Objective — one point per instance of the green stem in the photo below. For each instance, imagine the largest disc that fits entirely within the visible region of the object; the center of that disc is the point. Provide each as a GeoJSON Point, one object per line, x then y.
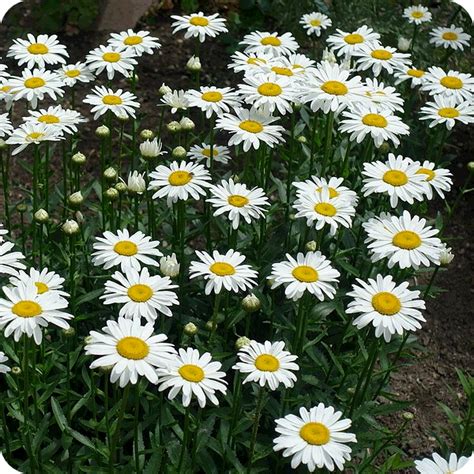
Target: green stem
{"type": "Point", "coordinates": [185, 439]}
{"type": "Point", "coordinates": [312, 145]}
{"type": "Point", "coordinates": [328, 143]}
{"type": "Point", "coordinates": [116, 434]}
{"type": "Point", "coordinates": [430, 284]}
{"type": "Point", "coordinates": [5, 173]}
{"type": "Point", "coordinates": [289, 177]}
{"type": "Point", "coordinates": [258, 413]}
{"type": "Point", "coordinates": [215, 312]}
{"type": "Point", "coordinates": [135, 428]}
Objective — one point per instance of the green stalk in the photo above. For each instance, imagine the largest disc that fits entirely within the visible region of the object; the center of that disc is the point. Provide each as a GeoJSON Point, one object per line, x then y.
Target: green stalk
{"type": "Point", "coordinates": [313, 144]}
{"type": "Point", "coordinates": [113, 445]}
{"type": "Point", "coordinates": [328, 143]}
{"type": "Point", "coordinates": [258, 414]}
{"type": "Point", "coordinates": [289, 177]}
{"type": "Point", "coordinates": [215, 312]}
{"type": "Point", "coordinates": [185, 439]}
{"type": "Point", "coordinates": [5, 431]}
{"type": "Point", "coordinates": [5, 172]}
{"type": "Point", "coordinates": [26, 416]}
{"type": "Point", "coordinates": [36, 160]}
{"type": "Point", "coordinates": [135, 428]}
{"type": "Point", "coordinates": [46, 177]}
{"type": "Point", "coordinates": [136, 200]}
{"type": "Point", "coordinates": [430, 284]}
{"type": "Point", "coordinates": [102, 179]}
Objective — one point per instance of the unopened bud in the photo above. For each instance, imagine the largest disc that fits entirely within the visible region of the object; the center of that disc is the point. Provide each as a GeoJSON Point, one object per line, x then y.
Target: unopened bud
{"type": "Point", "coordinates": [384, 147]}
{"type": "Point", "coordinates": [21, 207]}
{"type": "Point", "coordinates": [69, 332]}
{"type": "Point", "coordinates": [311, 246]}
{"type": "Point", "coordinates": [406, 415]}
{"type": "Point", "coordinates": [251, 303]}
{"type": "Point", "coordinates": [164, 89]}
{"type": "Point", "coordinates": [121, 187]}
{"type": "Point", "coordinates": [112, 194]}
{"type": "Point", "coordinates": [110, 174]}
{"type": "Point", "coordinates": [103, 131]}
{"type": "Point", "coordinates": [179, 153]}
{"type": "Point", "coordinates": [16, 370]}
{"type": "Point", "coordinates": [41, 216]}
{"type": "Point", "coordinates": [147, 134]}
{"type": "Point", "coordinates": [88, 340]}
{"type": "Point", "coordinates": [470, 167]}
{"type": "Point", "coordinates": [446, 256]}
{"type": "Point", "coordinates": [190, 329]}
{"type": "Point", "coordinates": [187, 124]}
{"type": "Point", "coordinates": [169, 265]}
{"type": "Point", "coordinates": [302, 139]}
{"type": "Point", "coordinates": [79, 159]}
{"type": "Point", "coordinates": [194, 64]}
{"type": "Point", "coordinates": [173, 127]}
{"type": "Point", "coordinates": [210, 325]}
{"type": "Point", "coordinates": [70, 227]}
{"type": "Point", "coordinates": [76, 199]}
{"type": "Point", "coordinates": [241, 342]}
{"type": "Point", "coordinates": [404, 44]}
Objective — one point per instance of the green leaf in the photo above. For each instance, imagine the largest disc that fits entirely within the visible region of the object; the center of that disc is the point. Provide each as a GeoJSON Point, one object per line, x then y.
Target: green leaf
{"type": "Point", "coordinates": [59, 414]}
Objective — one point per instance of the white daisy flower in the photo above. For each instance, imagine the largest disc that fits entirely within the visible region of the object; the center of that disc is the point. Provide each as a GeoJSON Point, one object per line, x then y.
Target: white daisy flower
{"type": "Point", "coordinates": [452, 37]}
{"type": "Point", "coordinates": [111, 60]}
{"type": "Point", "coordinates": [2, 233]}
{"type": "Point", "coordinates": [447, 110]}
{"type": "Point", "coordinates": [6, 128]}
{"type": "Point", "coordinates": [294, 67]}
{"type": "Point", "coordinates": [454, 84]}
{"type": "Point", "coordinates": [44, 280]}
{"type": "Point", "coordinates": [223, 271]}
{"type": "Point", "coordinates": [247, 62]}
{"type": "Point", "coordinates": [203, 152]}
{"type": "Point", "coordinates": [4, 72]}
{"type": "Point", "coordinates": [348, 44]}
{"type": "Point", "coordinates": [10, 261]}
{"type": "Point", "coordinates": [213, 100]}
{"type": "Point", "coordinates": [315, 22]}
{"type": "Point", "coordinates": [3, 368]}
{"type": "Point", "coordinates": [417, 14]}
{"type": "Point", "coordinates": [437, 179]}
{"type": "Point", "coordinates": [152, 148]}
{"type": "Point", "coordinates": [410, 73]}
{"type": "Point", "coordinates": [389, 307]}
{"type": "Point", "coordinates": [65, 120]}
{"type": "Point", "coordinates": [311, 272]}
{"type": "Point", "coordinates": [379, 58]}
{"type": "Point", "coordinates": [440, 466]}
{"type": "Point", "coordinates": [137, 42]}
{"type": "Point", "coordinates": [384, 97]}
{"type": "Point", "coordinates": [194, 375]}
{"type": "Point", "coordinates": [177, 100]}
{"type": "Point", "coordinates": [270, 43]}
{"type": "Point", "coordinates": [406, 241]}
{"type": "Point", "coordinates": [25, 311]}
{"type": "Point", "coordinates": [71, 74]}
{"type": "Point", "coordinates": [332, 184]}
{"type": "Point", "coordinates": [131, 349]}
{"type": "Point", "coordinates": [31, 132]}
{"type": "Point", "coordinates": [315, 438]}
{"type": "Point", "coordinates": [125, 249]}
{"type": "Point", "coordinates": [141, 295]}
{"type": "Point", "coordinates": [6, 94]}
{"type": "Point", "coordinates": [198, 25]}
{"type": "Point", "coordinates": [251, 127]}
{"type": "Point", "coordinates": [40, 51]}
{"type": "Point", "coordinates": [103, 99]}
{"type": "Point", "coordinates": [238, 201]}
{"type": "Point", "coordinates": [179, 181]}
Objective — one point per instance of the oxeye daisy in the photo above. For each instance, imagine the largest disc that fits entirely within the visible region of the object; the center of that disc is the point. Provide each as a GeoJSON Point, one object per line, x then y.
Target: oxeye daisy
{"type": "Point", "coordinates": [250, 61]}
{"type": "Point", "coordinates": [311, 272]}
{"type": "Point", "coordinates": [44, 280]}
{"type": "Point", "coordinates": [179, 181]}
{"type": "Point", "coordinates": [347, 44]}
{"type": "Point", "coordinates": [140, 294]}
{"type": "Point", "coordinates": [437, 179]}
{"type": "Point", "coordinates": [315, 438]}
{"type": "Point", "coordinates": [398, 177]}
{"type": "Point", "coordinates": [131, 349]}
{"type": "Point", "coordinates": [223, 271]}
{"type": "Point", "coordinates": [294, 67]}
{"type": "Point", "coordinates": [270, 43]}
{"type": "Point", "coordinates": [103, 99]}
{"type": "Point", "coordinates": [389, 307]}
{"type": "Point", "coordinates": [3, 368]}
{"type": "Point", "coordinates": [6, 128]}
{"type": "Point", "coordinates": [417, 14]}
{"type": "Point", "coordinates": [213, 100]}
{"type": "Point", "coordinates": [267, 364]}
{"type": "Point", "coordinates": [177, 100]}
{"type": "Point", "coordinates": [454, 84]}
{"type": "Point", "coordinates": [111, 60]}
{"type": "Point", "coordinates": [332, 184]}
{"type": "Point", "coordinates": [137, 42]}
{"type": "Point", "coordinates": [447, 111]}
{"type": "Point", "coordinates": [238, 201]}
{"type": "Point", "coordinates": [439, 465]}
{"type": "Point", "coordinates": [251, 127]}
{"type": "Point", "coordinates": [378, 58]}
{"type": "Point", "coordinates": [65, 120]}
{"type": "Point", "coordinates": [410, 73]}
{"type": "Point", "coordinates": [315, 22]}
{"type": "Point", "coordinates": [33, 132]}
{"type": "Point", "coordinates": [193, 374]}
{"type": "Point", "coordinates": [125, 249]}
{"type": "Point", "coordinates": [198, 25]}
{"type": "Point", "coordinates": [39, 51]}
{"type": "Point", "coordinates": [452, 37]}
{"type": "Point", "coordinates": [406, 241]}
{"type": "Point", "coordinates": [384, 97]}
{"type": "Point", "coordinates": [71, 74]}
{"type": "Point", "coordinates": [203, 152]}
{"type": "Point", "coordinates": [10, 261]}
{"type": "Point", "coordinates": [6, 94]}
{"type": "Point", "coordinates": [320, 209]}
{"type": "Point", "coordinates": [25, 311]}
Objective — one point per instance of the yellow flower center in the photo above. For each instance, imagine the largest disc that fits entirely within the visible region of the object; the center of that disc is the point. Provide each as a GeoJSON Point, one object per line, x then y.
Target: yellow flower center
{"type": "Point", "coordinates": [450, 36]}
{"type": "Point", "coordinates": [254, 61]}
{"type": "Point", "coordinates": [354, 38]}
{"type": "Point", "coordinates": [207, 152]}
{"type": "Point", "coordinates": [133, 348]}
{"type": "Point", "coordinates": [35, 135]}
{"type": "Point", "coordinates": [334, 88]}
{"type": "Point", "coordinates": [325, 209]}
{"type": "Point", "coordinates": [448, 112]}
{"type": "Point", "coordinates": [111, 100]}
{"type": "Point", "coordinates": [374, 120]}
{"type": "Point", "coordinates": [199, 21]}
{"type": "Point", "coordinates": [381, 54]}
{"type": "Point", "coordinates": [72, 73]}
{"type": "Point", "coordinates": [315, 433]}
{"type": "Point", "coordinates": [126, 248]}
{"type": "Point", "coordinates": [38, 48]}
{"type": "Point", "coordinates": [270, 41]}
{"type": "Point", "coordinates": [305, 274]}
{"type": "Point", "coordinates": [395, 178]}
{"type": "Point", "coordinates": [42, 287]}
{"type": "Point", "coordinates": [315, 22]}
{"type": "Point", "coordinates": [430, 174]}
{"type": "Point", "coordinates": [451, 82]}
{"type": "Point", "coordinates": [332, 192]}
{"type": "Point", "coordinates": [386, 303]}
{"type": "Point", "coordinates": [111, 57]}
{"type": "Point", "coordinates": [213, 96]}
{"type": "Point", "coordinates": [282, 71]}
{"type": "Point", "coordinates": [191, 373]}
{"type": "Point", "coordinates": [34, 82]}
{"type": "Point", "coordinates": [222, 269]}
{"type": "Point", "coordinates": [406, 239]}
{"type": "Point", "coordinates": [27, 309]}
{"type": "Point", "coordinates": [5, 89]}
{"type": "Point", "coordinates": [267, 363]}
{"type": "Point", "coordinates": [48, 119]}
{"type": "Point", "coordinates": [179, 178]}
{"type": "Point", "coordinates": [140, 293]}
{"type": "Point", "coordinates": [415, 72]}
{"type": "Point", "coordinates": [251, 126]}
{"type": "Point", "coordinates": [237, 201]}
{"type": "Point", "coordinates": [417, 14]}
{"type": "Point", "coordinates": [269, 89]}
{"type": "Point", "coordinates": [133, 40]}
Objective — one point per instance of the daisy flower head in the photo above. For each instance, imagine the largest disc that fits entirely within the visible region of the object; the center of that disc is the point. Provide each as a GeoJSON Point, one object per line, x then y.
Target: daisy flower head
{"type": "Point", "coordinates": [141, 295]}
{"type": "Point", "coordinates": [405, 241]}
{"type": "Point", "coordinates": [40, 51]}
{"type": "Point", "coordinates": [179, 181]}
{"type": "Point", "coordinates": [44, 280]}
{"type": "Point", "coordinates": [348, 44]}
{"type": "Point", "coordinates": [203, 152]}
{"type": "Point", "coordinates": [213, 100]}
{"type": "Point", "coordinates": [103, 99]}
{"type": "Point", "coordinates": [314, 23]}
{"type": "Point", "coordinates": [111, 60]}
{"type": "Point", "coordinates": [125, 249]}
{"type": "Point", "coordinates": [295, 67]}
{"type": "Point", "coordinates": [267, 364]}
{"type": "Point", "coordinates": [137, 42]}
{"type": "Point", "coordinates": [384, 97]}
{"type": "Point", "coordinates": [410, 73]}
{"type": "Point", "coordinates": [152, 148]}
{"type": "Point", "coordinates": [315, 438]}
{"type": "Point", "coordinates": [236, 200]}
{"type": "Point", "coordinates": [25, 311]}
{"type": "Point", "coordinates": [177, 100]}
{"type": "Point", "coordinates": [379, 58]}
{"type": "Point", "coordinates": [131, 349]}
{"type": "Point", "coordinates": [4, 72]}
{"type": "Point", "coordinates": [417, 14]}
{"type": "Point", "coordinates": [311, 272]}
{"type": "Point", "coordinates": [64, 120]}
{"type": "Point", "coordinates": [6, 94]}
{"type": "Point", "coordinates": [398, 177]}
{"type": "Point", "coordinates": [251, 127]}
{"type": "Point", "coordinates": [3, 368]}
{"type": "Point", "coordinates": [2, 233]}
{"type": "Point", "coordinates": [247, 62]}
{"type": "Point", "coordinates": [220, 271]}
{"type": "Point", "coordinates": [6, 127]}
{"type": "Point", "coordinates": [71, 74]}
{"type": "Point", "coordinates": [389, 307]}
{"type": "Point", "coordinates": [10, 261]}
{"type": "Point", "coordinates": [33, 132]}
{"type": "Point", "coordinates": [447, 110]}
{"type": "Point", "coordinates": [332, 184]}
{"type": "Point", "coordinates": [454, 84]}
{"type": "Point", "coordinates": [381, 125]}
{"type": "Point", "coordinates": [439, 465]}
{"type": "Point", "coordinates": [270, 43]}
{"type": "Point", "coordinates": [198, 25]}
{"type": "Point", "coordinates": [437, 179]}
{"type": "Point", "coordinates": [194, 375]}
{"type": "Point", "coordinates": [452, 37]}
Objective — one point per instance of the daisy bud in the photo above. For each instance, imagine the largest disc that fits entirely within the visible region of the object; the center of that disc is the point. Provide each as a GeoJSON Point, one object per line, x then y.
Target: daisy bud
{"type": "Point", "coordinates": [122, 117]}
{"type": "Point", "coordinates": [302, 139]}
{"type": "Point", "coordinates": [164, 89]}
{"type": "Point", "coordinates": [292, 217]}
{"type": "Point", "coordinates": [151, 149]}
{"type": "Point", "coordinates": [194, 64]}
{"type": "Point", "coordinates": [41, 216]}
{"type": "Point", "coordinates": [106, 369]}
{"type": "Point", "coordinates": [69, 332]}
{"type": "Point", "coordinates": [242, 342]}
{"type": "Point", "coordinates": [236, 178]}
{"type": "Point", "coordinates": [311, 246]}
{"type": "Point", "coordinates": [147, 134]}
{"type": "Point", "coordinates": [16, 370]}
{"type": "Point", "coordinates": [70, 227]}
{"type": "Point", "coordinates": [121, 187]}
{"type": "Point", "coordinates": [351, 390]}
{"type": "Point", "coordinates": [21, 208]}
{"type": "Point", "coordinates": [211, 326]}
{"type": "Point", "coordinates": [103, 131]}
{"type": "Point", "coordinates": [384, 147]}
{"type": "Point", "coordinates": [112, 194]}
{"type": "Point", "coordinates": [297, 106]}
{"type": "Point", "coordinates": [406, 415]}
{"type": "Point", "coordinates": [136, 182]}
{"type": "Point", "coordinates": [470, 166]}
{"type": "Point", "coordinates": [88, 340]}
{"type": "Point", "coordinates": [169, 266]}
{"type": "Point", "coordinates": [110, 174]}
{"type": "Point", "coordinates": [329, 56]}
{"type": "Point", "coordinates": [187, 124]}
{"type": "Point", "coordinates": [446, 256]}
{"type": "Point", "coordinates": [404, 44]}
{"type": "Point", "coordinates": [79, 217]}
{"type": "Point", "coordinates": [179, 153]}
{"type": "Point", "coordinates": [78, 159]}
{"type": "Point", "coordinates": [251, 303]}
{"type": "Point", "coordinates": [173, 127]}
{"type": "Point", "coordinates": [76, 199]}
{"type": "Point", "coordinates": [190, 329]}
{"type": "Point", "coordinates": [3, 144]}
